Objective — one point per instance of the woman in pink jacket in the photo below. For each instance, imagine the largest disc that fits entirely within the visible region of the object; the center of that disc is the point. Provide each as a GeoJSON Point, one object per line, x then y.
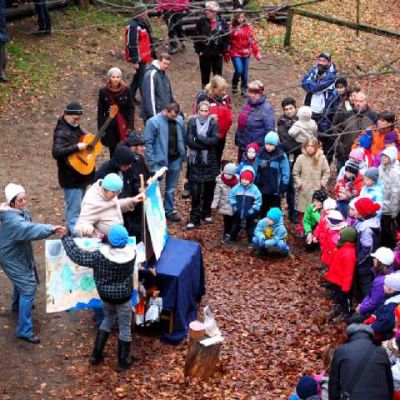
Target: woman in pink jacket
{"type": "Point", "coordinates": [242, 43]}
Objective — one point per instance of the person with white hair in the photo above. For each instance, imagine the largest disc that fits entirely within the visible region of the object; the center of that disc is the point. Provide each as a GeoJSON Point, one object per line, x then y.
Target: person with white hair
{"type": "Point", "coordinates": [16, 255]}
{"type": "Point", "coordinates": [116, 92]}
{"type": "Point", "coordinates": [211, 42]}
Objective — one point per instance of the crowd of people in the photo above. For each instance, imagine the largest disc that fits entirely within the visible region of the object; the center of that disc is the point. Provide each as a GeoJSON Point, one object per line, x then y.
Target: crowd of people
{"type": "Point", "coordinates": [350, 213]}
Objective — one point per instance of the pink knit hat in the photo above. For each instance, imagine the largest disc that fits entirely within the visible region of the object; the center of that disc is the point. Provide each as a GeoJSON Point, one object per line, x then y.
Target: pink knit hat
{"type": "Point", "coordinates": [357, 155]}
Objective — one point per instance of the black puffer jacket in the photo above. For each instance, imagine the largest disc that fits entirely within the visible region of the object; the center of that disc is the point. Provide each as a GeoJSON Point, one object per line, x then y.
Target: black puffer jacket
{"type": "Point", "coordinates": [124, 101]}
{"type": "Point", "coordinates": [65, 142]}
{"type": "Point", "coordinates": [375, 382]}
{"type": "Point", "coordinates": [289, 145]}
{"type": "Point", "coordinates": [213, 42]}
{"type": "Point", "coordinates": [198, 171]}
{"type": "Point", "coordinates": [113, 279]}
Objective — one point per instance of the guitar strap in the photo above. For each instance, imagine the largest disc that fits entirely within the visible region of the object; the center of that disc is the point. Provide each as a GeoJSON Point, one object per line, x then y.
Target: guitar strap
{"type": "Point", "coordinates": [121, 122]}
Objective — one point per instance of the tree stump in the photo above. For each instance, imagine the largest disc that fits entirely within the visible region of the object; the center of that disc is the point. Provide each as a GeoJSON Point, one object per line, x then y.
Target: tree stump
{"type": "Point", "coordinates": [201, 361]}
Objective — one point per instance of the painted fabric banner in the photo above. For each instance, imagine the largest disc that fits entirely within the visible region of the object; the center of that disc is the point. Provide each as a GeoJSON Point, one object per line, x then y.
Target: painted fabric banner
{"type": "Point", "coordinates": [70, 286]}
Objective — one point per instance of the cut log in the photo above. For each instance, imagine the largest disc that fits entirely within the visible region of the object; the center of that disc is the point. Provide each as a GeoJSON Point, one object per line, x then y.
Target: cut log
{"type": "Point", "coordinates": [201, 361]}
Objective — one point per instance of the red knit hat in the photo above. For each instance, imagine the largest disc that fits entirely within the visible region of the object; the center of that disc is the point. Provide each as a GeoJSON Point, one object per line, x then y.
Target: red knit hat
{"type": "Point", "coordinates": [366, 207]}
{"type": "Point", "coordinates": [248, 175]}
{"type": "Point", "coordinates": [254, 146]}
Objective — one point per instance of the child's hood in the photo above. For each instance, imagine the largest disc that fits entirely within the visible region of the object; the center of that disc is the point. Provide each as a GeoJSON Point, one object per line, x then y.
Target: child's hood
{"type": "Point", "coordinates": [250, 169]}
{"type": "Point", "coordinates": [304, 114]}
{"type": "Point", "coordinates": [118, 255]}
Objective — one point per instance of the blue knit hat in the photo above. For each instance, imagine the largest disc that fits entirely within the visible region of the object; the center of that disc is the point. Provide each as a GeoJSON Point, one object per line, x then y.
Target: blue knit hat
{"type": "Point", "coordinates": [365, 141]}
{"type": "Point", "coordinates": [117, 236]}
{"type": "Point", "coordinates": [306, 387]}
{"type": "Point", "coordinates": [372, 173]}
{"type": "Point", "coordinates": [275, 214]}
{"type": "Point", "coordinates": [271, 138]}
{"type": "Point", "coordinates": [112, 182]}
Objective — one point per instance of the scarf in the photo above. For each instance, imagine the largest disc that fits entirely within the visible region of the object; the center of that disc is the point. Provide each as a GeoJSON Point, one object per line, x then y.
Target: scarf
{"type": "Point", "coordinates": [230, 182]}
{"type": "Point", "coordinates": [242, 121]}
{"type": "Point", "coordinates": [118, 89]}
{"type": "Point", "coordinates": [121, 121]}
{"type": "Point", "coordinates": [202, 126]}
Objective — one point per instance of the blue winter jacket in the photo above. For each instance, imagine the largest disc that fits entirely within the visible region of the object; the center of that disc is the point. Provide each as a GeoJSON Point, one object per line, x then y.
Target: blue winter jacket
{"type": "Point", "coordinates": [245, 200]}
{"type": "Point", "coordinates": [16, 253]}
{"type": "Point", "coordinates": [260, 120]}
{"type": "Point", "coordinates": [272, 171]}
{"type": "Point", "coordinates": [3, 25]}
{"type": "Point", "coordinates": [156, 137]}
{"type": "Point", "coordinates": [384, 313]}
{"type": "Point", "coordinates": [278, 234]}
{"type": "Point", "coordinates": [375, 193]}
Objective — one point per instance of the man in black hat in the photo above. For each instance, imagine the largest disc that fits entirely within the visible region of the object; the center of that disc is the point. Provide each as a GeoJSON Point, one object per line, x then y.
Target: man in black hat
{"type": "Point", "coordinates": [66, 141]}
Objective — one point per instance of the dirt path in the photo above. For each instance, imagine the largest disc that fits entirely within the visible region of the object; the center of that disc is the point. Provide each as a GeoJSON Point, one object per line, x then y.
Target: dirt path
{"type": "Point", "coordinates": [271, 312]}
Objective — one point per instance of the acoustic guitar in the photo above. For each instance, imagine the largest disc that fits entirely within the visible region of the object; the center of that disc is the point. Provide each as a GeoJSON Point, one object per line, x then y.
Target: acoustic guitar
{"type": "Point", "coordinates": [84, 161]}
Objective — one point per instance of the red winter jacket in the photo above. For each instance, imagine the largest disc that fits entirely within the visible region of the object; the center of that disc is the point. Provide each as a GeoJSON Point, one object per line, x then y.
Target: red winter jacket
{"type": "Point", "coordinates": [139, 42]}
{"type": "Point", "coordinates": [242, 42]}
{"type": "Point", "coordinates": [342, 266]}
{"type": "Point", "coordinates": [352, 189]}
{"type": "Point", "coordinates": [321, 230]}
{"type": "Point", "coordinates": [329, 245]}
{"type": "Point", "coordinates": [172, 5]}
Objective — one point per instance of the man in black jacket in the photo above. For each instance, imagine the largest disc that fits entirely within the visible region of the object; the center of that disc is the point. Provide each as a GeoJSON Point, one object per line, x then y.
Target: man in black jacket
{"type": "Point", "coordinates": [375, 381]}
{"type": "Point", "coordinates": [211, 42]}
{"type": "Point", "coordinates": [66, 141]}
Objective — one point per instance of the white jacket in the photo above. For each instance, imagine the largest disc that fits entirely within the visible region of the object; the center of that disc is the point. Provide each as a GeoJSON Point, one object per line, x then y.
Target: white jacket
{"type": "Point", "coordinates": [389, 176]}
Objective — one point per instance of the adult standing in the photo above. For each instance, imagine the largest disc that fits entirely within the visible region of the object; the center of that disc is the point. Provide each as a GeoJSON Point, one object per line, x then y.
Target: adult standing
{"type": "Point", "coordinates": [216, 94]}
{"type": "Point", "coordinates": [255, 120]}
{"type": "Point", "coordinates": [203, 165]}
{"type": "Point", "coordinates": [44, 20]}
{"type": "Point", "coordinates": [165, 147]}
{"type": "Point", "coordinates": [351, 125]}
{"type": "Point", "coordinates": [156, 88]}
{"type": "Point", "coordinates": [173, 13]}
{"type": "Point", "coordinates": [116, 92]}
{"type": "Point", "coordinates": [16, 255]}
{"type": "Point", "coordinates": [211, 42]}
{"type": "Point", "coordinates": [242, 43]}
{"type": "Point", "coordinates": [360, 358]}
{"type": "Point", "coordinates": [139, 45]}
{"type": "Point", "coordinates": [66, 141]}
{"type": "Point", "coordinates": [3, 40]}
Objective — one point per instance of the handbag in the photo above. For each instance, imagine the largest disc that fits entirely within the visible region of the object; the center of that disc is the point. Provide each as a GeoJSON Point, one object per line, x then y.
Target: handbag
{"type": "Point", "coordinates": [346, 394]}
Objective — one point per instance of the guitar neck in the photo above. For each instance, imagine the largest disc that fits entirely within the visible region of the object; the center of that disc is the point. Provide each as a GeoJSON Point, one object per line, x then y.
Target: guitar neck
{"type": "Point", "coordinates": [101, 132]}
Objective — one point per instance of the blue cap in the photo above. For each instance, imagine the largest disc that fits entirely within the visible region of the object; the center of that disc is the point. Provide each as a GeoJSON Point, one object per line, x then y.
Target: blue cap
{"type": "Point", "coordinates": [117, 236]}
{"type": "Point", "coordinates": [112, 182]}
{"type": "Point", "coordinates": [365, 141]}
{"type": "Point", "coordinates": [271, 138]}
{"type": "Point", "coordinates": [275, 214]}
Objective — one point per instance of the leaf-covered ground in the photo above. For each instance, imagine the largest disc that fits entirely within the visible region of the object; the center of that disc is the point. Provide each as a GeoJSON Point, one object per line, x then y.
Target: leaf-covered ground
{"type": "Point", "coordinates": [271, 311]}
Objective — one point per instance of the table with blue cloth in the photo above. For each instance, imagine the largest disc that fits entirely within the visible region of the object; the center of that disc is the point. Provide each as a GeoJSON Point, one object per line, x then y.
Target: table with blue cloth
{"type": "Point", "coordinates": [180, 277]}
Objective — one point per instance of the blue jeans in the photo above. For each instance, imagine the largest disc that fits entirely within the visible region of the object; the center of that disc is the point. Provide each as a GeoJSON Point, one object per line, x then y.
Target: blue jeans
{"type": "Point", "coordinates": [171, 182]}
{"type": "Point", "coordinates": [124, 314]}
{"type": "Point", "coordinates": [23, 304]}
{"type": "Point", "coordinates": [73, 199]}
{"type": "Point", "coordinates": [241, 65]}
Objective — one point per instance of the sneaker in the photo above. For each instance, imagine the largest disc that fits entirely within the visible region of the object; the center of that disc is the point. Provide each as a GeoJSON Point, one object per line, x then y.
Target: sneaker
{"type": "Point", "coordinates": [173, 217]}
{"type": "Point", "coordinates": [243, 92]}
{"type": "Point", "coordinates": [33, 339]}
{"type": "Point", "coordinates": [191, 225]}
{"type": "Point", "coordinates": [209, 220]}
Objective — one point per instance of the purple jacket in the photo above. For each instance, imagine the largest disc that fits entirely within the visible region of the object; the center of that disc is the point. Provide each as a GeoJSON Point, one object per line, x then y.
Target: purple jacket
{"type": "Point", "coordinates": [374, 297]}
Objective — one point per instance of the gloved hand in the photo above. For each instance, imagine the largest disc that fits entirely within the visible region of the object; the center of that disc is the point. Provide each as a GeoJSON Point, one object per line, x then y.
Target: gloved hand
{"type": "Point", "coordinates": [227, 56]}
{"type": "Point", "coordinates": [370, 320]}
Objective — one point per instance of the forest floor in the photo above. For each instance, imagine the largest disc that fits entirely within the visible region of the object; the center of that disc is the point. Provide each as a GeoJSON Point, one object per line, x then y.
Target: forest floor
{"type": "Point", "coordinates": [272, 312]}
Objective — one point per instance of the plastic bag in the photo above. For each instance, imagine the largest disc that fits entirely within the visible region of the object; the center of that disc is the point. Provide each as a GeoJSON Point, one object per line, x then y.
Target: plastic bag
{"type": "Point", "coordinates": [209, 323]}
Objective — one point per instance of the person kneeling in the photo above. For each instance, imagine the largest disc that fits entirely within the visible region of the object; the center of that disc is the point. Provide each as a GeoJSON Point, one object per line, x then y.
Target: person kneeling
{"type": "Point", "coordinates": [113, 267]}
{"type": "Point", "coordinates": [270, 232]}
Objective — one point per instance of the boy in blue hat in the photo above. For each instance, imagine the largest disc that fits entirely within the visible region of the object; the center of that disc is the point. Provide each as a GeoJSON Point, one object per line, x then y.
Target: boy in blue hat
{"type": "Point", "coordinates": [270, 232]}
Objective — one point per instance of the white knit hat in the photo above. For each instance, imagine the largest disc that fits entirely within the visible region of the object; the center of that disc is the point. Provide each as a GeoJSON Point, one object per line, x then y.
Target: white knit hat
{"type": "Point", "coordinates": [392, 281]}
{"type": "Point", "coordinates": [384, 255]}
{"type": "Point", "coordinates": [114, 71]}
{"type": "Point", "coordinates": [12, 190]}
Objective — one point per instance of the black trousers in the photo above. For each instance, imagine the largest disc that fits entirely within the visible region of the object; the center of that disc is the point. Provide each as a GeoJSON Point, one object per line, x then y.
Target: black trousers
{"type": "Point", "coordinates": [220, 149]}
{"type": "Point", "coordinates": [342, 299]}
{"type": "Point", "coordinates": [3, 57]}
{"type": "Point", "coordinates": [138, 79]}
{"type": "Point", "coordinates": [247, 223]}
{"type": "Point", "coordinates": [388, 231]}
{"type": "Point", "coordinates": [202, 197]}
{"type": "Point", "coordinates": [363, 284]}
{"type": "Point", "coordinates": [228, 222]}
{"type": "Point", "coordinates": [269, 201]}
{"type": "Point", "coordinates": [43, 15]}
{"type": "Point", "coordinates": [208, 64]}
{"type": "Point", "coordinates": [174, 21]}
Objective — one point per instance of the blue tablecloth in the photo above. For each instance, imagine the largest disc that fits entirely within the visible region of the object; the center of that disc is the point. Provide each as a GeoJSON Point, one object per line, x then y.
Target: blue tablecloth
{"type": "Point", "coordinates": [180, 277]}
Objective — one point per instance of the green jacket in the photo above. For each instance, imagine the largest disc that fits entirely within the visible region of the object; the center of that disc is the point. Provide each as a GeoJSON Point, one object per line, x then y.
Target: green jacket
{"type": "Point", "coordinates": [310, 219]}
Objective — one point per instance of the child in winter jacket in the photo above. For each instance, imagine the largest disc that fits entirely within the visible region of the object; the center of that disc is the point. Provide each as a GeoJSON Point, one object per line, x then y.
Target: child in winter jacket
{"type": "Point", "coordinates": [306, 389]}
{"type": "Point", "coordinates": [348, 187]}
{"type": "Point", "coordinates": [372, 187]}
{"type": "Point", "coordinates": [341, 270]}
{"type": "Point", "coordinates": [112, 270]}
{"type": "Point", "coordinates": [224, 183]}
{"type": "Point", "coordinates": [305, 128]}
{"type": "Point", "coordinates": [310, 173]}
{"type": "Point", "coordinates": [249, 157]}
{"type": "Point", "coordinates": [321, 230]}
{"type": "Point", "coordinates": [313, 215]}
{"type": "Point", "coordinates": [270, 232]}
{"type": "Point", "coordinates": [272, 172]}
{"type": "Point", "coordinates": [352, 213]}
{"type": "Point", "coordinates": [356, 155]}
{"type": "Point", "coordinates": [245, 199]}
{"type": "Point", "coordinates": [389, 176]}
{"type": "Point", "coordinates": [368, 228]}
{"type": "Point", "coordinates": [383, 259]}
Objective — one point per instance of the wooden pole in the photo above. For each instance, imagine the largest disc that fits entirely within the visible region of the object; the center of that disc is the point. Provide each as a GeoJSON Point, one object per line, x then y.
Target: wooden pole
{"type": "Point", "coordinates": [358, 16]}
{"type": "Point", "coordinates": [288, 33]}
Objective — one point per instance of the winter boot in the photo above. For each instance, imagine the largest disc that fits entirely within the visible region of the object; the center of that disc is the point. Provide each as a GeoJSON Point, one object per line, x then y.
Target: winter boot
{"type": "Point", "coordinates": [125, 360]}
{"type": "Point", "coordinates": [97, 354]}
{"type": "Point", "coordinates": [235, 83]}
